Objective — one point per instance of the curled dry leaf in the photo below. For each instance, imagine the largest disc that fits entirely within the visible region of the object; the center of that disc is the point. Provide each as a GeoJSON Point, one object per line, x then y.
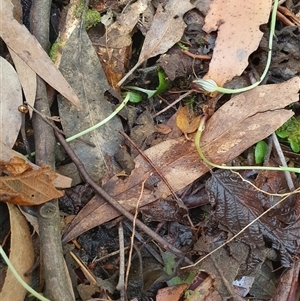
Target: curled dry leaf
{"type": "Point", "coordinates": [239, 35]}
{"type": "Point", "coordinates": [15, 166]}
{"type": "Point", "coordinates": [186, 120]}
{"type": "Point", "coordinates": [34, 187]}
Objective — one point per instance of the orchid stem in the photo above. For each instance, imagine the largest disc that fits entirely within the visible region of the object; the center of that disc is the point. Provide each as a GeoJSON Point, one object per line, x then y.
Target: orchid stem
{"type": "Point", "coordinates": [205, 160]}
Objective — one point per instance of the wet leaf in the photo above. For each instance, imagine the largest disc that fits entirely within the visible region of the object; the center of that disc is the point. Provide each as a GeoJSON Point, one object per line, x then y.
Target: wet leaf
{"type": "Point", "coordinates": [89, 81]}
{"type": "Point", "coordinates": [238, 19]}
{"type": "Point", "coordinates": [237, 203]}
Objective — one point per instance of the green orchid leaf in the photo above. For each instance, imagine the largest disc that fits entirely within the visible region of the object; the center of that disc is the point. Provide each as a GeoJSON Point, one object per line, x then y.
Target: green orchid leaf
{"type": "Point", "coordinates": [260, 151]}
{"type": "Point", "coordinates": [281, 133]}
{"type": "Point", "coordinates": [163, 85]}
{"type": "Point", "coordinates": [294, 145]}
{"type": "Point", "coordinates": [133, 96]}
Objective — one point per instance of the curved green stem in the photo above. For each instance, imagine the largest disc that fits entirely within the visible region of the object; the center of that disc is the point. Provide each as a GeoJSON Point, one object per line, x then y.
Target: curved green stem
{"type": "Point", "coordinates": [19, 279]}
{"type": "Point", "coordinates": [210, 86]}
{"type": "Point", "coordinates": [113, 114]}
{"type": "Point", "coordinates": [197, 143]}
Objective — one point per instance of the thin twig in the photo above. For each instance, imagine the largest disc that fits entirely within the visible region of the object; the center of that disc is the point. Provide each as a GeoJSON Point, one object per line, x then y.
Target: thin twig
{"type": "Point", "coordinates": [121, 284]}
{"type": "Point", "coordinates": [173, 103]}
{"type": "Point", "coordinates": [287, 174]}
{"type": "Point", "coordinates": [86, 177]}
{"type": "Point", "coordinates": [133, 234]}
{"type": "Point", "coordinates": [144, 243]}
{"type": "Point", "coordinates": [146, 158]}
{"type": "Point", "coordinates": [197, 56]}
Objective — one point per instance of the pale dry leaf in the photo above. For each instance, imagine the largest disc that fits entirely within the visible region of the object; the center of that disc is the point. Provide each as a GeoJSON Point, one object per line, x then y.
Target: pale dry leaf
{"type": "Point", "coordinates": [27, 79]}
{"type": "Point", "coordinates": [239, 35]}
{"type": "Point", "coordinates": [25, 45]}
{"type": "Point", "coordinates": [21, 256]}
{"type": "Point", "coordinates": [10, 99]}
{"type": "Point", "coordinates": [31, 188]}
{"type": "Point", "coordinates": [166, 29]}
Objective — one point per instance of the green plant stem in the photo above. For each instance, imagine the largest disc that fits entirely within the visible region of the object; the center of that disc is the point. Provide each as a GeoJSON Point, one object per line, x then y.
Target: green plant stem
{"type": "Point", "coordinates": [113, 114]}
{"type": "Point", "coordinates": [19, 279]}
{"type": "Point", "coordinates": [210, 85]}
{"type": "Point", "coordinates": [197, 143]}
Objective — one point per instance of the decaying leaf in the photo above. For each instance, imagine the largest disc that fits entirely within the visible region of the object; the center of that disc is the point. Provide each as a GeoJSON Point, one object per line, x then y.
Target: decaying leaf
{"type": "Point", "coordinates": [166, 29]}
{"type": "Point", "coordinates": [84, 72]}
{"type": "Point", "coordinates": [187, 120]}
{"type": "Point", "coordinates": [31, 188]}
{"type": "Point", "coordinates": [24, 44]}
{"type": "Point", "coordinates": [237, 125]}
{"type": "Point", "coordinates": [10, 99]}
{"type": "Point", "coordinates": [237, 204]}
{"type": "Point", "coordinates": [21, 256]}
{"type": "Point", "coordinates": [115, 46]}
{"type": "Point", "coordinates": [239, 35]}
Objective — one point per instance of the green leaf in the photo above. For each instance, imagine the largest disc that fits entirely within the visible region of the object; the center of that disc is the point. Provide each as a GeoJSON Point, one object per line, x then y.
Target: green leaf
{"type": "Point", "coordinates": [281, 133]}
{"type": "Point", "coordinates": [133, 96]}
{"type": "Point", "coordinates": [294, 145]}
{"type": "Point", "coordinates": [163, 85]}
{"type": "Point", "coordinates": [260, 151]}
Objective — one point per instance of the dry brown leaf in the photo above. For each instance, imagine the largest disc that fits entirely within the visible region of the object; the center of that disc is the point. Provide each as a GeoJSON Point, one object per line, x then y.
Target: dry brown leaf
{"type": "Point", "coordinates": [11, 98]}
{"type": "Point", "coordinates": [244, 120]}
{"type": "Point", "coordinates": [239, 35]}
{"type": "Point", "coordinates": [166, 29]}
{"type": "Point", "coordinates": [187, 121]}
{"type": "Point", "coordinates": [31, 188]}
{"type": "Point", "coordinates": [6, 154]}
{"type": "Point", "coordinates": [15, 166]}
{"type": "Point", "coordinates": [115, 45]}
{"type": "Point", "coordinates": [24, 44]}
{"type": "Point", "coordinates": [171, 293]}
{"type": "Point", "coordinates": [21, 256]}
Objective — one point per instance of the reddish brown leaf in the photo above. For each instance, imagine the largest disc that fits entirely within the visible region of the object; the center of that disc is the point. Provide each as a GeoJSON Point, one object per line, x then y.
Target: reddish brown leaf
{"type": "Point", "coordinates": [31, 188]}
{"type": "Point", "coordinates": [15, 166]}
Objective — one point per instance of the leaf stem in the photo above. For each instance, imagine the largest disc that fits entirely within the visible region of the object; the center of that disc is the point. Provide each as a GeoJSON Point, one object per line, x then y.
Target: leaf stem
{"type": "Point", "coordinates": [19, 279]}
{"type": "Point", "coordinates": [197, 143]}
{"type": "Point", "coordinates": [113, 114]}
